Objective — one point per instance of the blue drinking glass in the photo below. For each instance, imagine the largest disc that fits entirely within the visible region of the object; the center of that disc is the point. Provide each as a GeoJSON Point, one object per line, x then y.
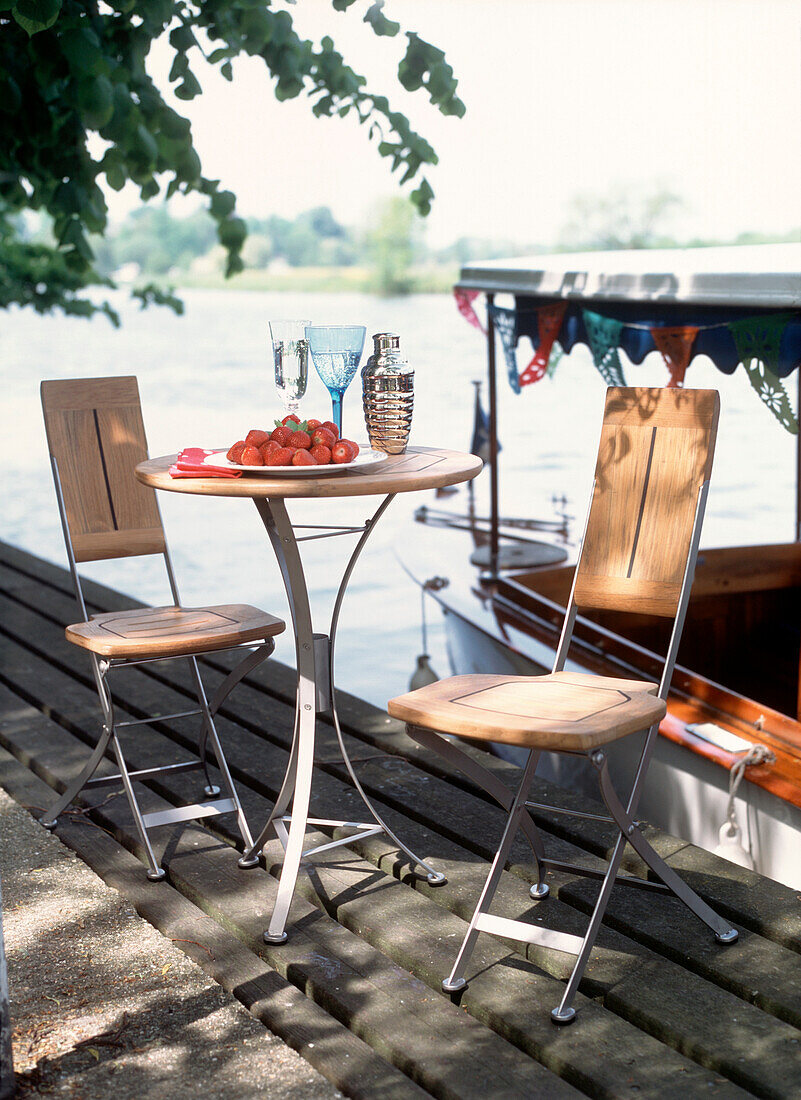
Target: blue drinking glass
{"type": "Point", "coordinates": [336, 351]}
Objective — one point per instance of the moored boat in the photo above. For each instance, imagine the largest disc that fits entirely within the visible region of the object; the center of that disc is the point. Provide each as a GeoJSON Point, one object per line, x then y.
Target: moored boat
{"type": "Point", "coordinates": [727, 770]}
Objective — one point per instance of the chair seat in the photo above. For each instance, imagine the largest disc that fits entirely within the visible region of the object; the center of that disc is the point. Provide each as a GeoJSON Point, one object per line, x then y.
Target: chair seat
{"type": "Point", "coordinates": [173, 631]}
{"type": "Point", "coordinates": [567, 711]}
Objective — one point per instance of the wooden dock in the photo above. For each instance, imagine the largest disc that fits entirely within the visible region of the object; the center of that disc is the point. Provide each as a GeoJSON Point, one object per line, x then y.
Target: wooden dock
{"type": "Point", "coordinates": [664, 1011]}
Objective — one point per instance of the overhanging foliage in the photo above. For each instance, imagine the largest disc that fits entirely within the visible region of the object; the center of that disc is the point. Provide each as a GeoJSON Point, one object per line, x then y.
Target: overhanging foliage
{"type": "Point", "coordinates": [73, 69]}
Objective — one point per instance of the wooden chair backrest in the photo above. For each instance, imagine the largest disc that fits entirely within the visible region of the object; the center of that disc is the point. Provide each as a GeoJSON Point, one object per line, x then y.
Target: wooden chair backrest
{"type": "Point", "coordinates": [96, 434]}
{"type": "Point", "coordinates": [655, 452]}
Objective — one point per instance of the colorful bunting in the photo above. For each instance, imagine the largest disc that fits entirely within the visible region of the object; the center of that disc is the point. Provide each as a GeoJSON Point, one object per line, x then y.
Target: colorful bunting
{"type": "Point", "coordinates": [549, 321]}
{"type": "Point", "coordinates": [464, 303]}
{"type": "Point", "coordinates": [757, 340]}
{"type": "Point", "coordinates": [676, 345]}
{"type": "Point", "coordinates": [505, 322]}
{"type": "Point", "coordinates": [604, 336]}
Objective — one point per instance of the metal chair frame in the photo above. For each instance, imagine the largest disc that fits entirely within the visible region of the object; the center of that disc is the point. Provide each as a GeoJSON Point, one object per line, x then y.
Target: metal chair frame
{"type": "Point", "coordinates": [621, 813]}
{"type": "Point", "coordinates": [101, 668]}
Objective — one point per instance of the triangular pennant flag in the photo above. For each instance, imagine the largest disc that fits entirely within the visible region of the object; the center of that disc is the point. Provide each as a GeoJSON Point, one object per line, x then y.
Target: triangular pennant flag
{"type": "Point", "coordinates": [464, 303]}
{"type": "Point", "coordinates": [505, 321]}
{"type": "Point", "coordinates": [676, 345]}
{"type": "Point", "coordinates": [604, 336]}
{"type": "Point", "coordinates": [549, 321]}
{"type": "Point", "coordinates": [757, 341]}
{"type": "Point", "coordinates": [556, 357]}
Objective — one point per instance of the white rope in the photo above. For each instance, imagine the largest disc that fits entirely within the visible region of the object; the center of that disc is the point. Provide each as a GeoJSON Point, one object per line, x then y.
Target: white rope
{"type": "Point", "coordinates": [730, 846]}
{"type": "Point", "coordinates": [757, 754]}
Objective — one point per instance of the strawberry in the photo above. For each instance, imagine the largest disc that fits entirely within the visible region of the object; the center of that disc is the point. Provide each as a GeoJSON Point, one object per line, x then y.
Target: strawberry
{"type": "Point", "coordinates": [322, 435]}
{"type": "Point", "coordinates": [332, 428]}
{"type": "Point", "coordinates": [353, 446]}
{"type": "Point", "coordinates": [302, 457]}
{"type": "Point", "coordinates": [251, 456]}
{"type": "Point", "coordinates": [312, 424]}
{"type": "Point", "coordinates": [292, 417]}
{"type": "Point", "coordinates": [268, 448]}
{"type": "Point", "coordinates": [235, 453]}
{"type": "Point", "coordinates": [321, 454]}
{"type": "Point", "coordinates": [256, 437]}
{"type": "Point", "coordinates": [281, 435]}
{"type": "Point", "coordinates": [281, 457]}
{"type": "Point", "coordinates": [341, 452]}
{"type": "Point", "coordinates": [300, 440]}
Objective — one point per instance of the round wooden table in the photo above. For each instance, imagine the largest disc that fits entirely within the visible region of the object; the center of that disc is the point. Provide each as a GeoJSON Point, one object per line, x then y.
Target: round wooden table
{"type": "Point", "coordinates": [418, 468]}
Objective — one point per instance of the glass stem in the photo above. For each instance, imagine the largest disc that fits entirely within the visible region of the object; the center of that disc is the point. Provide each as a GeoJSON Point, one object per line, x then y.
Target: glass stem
{"type": "Point", "coordinates": [336, 405]}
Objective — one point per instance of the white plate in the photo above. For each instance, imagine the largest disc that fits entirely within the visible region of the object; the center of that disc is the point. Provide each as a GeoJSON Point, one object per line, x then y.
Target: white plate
{"type": "Point", "coordinates": [365, 458]}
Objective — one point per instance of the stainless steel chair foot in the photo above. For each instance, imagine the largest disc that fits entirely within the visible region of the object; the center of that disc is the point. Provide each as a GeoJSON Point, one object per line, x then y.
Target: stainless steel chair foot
{"type": "Point", "coordinates": [540, 890]}
{"type": "Point", "coordinates": [211, 791]}
{"type": "Point", "coordinates": [436, 878]}
{"type": "Point", "coordinates": [453, 986]}
{"type": "Point", "coordinates": [727, 937]}
{"type": "Point", "coordinates": [157, 876]}
{"type": "Point", "coordinates": [563, 1016]}
{"type": "Point", "coordinates": [279, 938]}
{"type": "Point", "coordinates": [246, 864]}
{"type": "Point", "coordinates": [48, 824]}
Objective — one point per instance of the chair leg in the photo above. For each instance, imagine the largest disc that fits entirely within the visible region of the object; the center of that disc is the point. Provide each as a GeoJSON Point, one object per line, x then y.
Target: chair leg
{"type": "Point", "coordinates": [244, 861]}
{"type": "Point", "coordinates": [456, 980]}
{"type": "Point", "coordinates": [50, 818]}
{"type": "Point", "coordinates": [724, 932]}
{"type": "Point", "coordinates": [484, 778]}
{"type": "Point", "coordinates": [564, 1013]}
{"type": "Point", "coordinates": [246, 665]}
{"type": "Point", "coordinates": [155, 872]}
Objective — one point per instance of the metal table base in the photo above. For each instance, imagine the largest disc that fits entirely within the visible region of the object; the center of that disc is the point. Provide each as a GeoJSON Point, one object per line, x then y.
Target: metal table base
{"type": "Point", "coordinates": [315, 695]}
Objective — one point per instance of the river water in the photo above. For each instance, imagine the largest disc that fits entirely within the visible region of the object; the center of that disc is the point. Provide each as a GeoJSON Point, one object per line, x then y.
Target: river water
{"type": "Point", "coordinates": [205, 380]}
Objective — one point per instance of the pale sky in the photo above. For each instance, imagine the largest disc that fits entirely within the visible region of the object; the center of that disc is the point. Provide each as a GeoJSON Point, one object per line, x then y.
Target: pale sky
{"type": "Point", "coordinates": [563, 96]}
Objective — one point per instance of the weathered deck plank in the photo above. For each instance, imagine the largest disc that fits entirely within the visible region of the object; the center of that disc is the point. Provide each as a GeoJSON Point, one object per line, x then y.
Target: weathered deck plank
{"type": "Point", "coordinates": [664, 996]}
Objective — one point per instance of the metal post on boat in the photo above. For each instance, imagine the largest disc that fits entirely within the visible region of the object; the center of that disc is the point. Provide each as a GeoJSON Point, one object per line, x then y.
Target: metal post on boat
{"type": "Point", "coordinates": [493, 438]}
{"type": "Point", "coordinates": [798, 465]}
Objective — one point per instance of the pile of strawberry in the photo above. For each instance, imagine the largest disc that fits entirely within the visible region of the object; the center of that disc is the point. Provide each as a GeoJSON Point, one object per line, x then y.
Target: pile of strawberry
{"type": "Point", "coordinates": [293, 442]}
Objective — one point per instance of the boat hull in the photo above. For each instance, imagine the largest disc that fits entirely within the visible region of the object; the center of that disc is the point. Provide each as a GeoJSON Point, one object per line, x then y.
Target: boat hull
{"type": "Point", "coordinates": [685, 793]}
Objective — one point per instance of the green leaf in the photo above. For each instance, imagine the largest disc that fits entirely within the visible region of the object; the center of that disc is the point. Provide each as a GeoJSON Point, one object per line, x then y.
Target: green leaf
{"type": "Point", "coordinates": [95, 102]}
{"type": "Point", "coordinates": [36, 15]}
{"type": "Point", "coordinates": [189, 87]}
{"type": "Point", "coordinates": [422, 197]}
{"type": "Point", "coordinates": [182, 38]}
{"type": "Point", "coordinates": [173, 125]}
{"type": "Point", "coordinates": [232, 233]}
{"type": "Point", "coordinates": [379, 22]}
{"type": "Point", "coordinates": [10, 95]}
{"type": "Point", "coordinates": [81, 47]}
{"type": "Point", "coordinates": [222, 204]}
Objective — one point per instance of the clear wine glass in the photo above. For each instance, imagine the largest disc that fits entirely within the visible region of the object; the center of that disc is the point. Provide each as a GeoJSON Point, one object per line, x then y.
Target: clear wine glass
{"type": "Point", "coordinates": [336, 351]}
{"type": "Point", "coordinates": [291, 358]}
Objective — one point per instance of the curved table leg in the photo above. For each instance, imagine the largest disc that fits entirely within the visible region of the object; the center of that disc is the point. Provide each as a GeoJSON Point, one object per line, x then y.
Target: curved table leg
{"type": "Point", "coordinates": [297, 782]}
{"type": "Point", "coordinates": [435, 878]}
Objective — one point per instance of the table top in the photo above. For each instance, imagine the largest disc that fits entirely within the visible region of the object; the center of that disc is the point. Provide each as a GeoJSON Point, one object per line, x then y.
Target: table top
{"type": "Point", "coordinates": [417, 468]}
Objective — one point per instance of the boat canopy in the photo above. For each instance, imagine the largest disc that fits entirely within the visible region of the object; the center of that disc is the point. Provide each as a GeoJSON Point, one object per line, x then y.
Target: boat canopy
{"type": "Point", "coordinates": [703, 287]}
{"type": "Point", "coordinates": [736, 304]}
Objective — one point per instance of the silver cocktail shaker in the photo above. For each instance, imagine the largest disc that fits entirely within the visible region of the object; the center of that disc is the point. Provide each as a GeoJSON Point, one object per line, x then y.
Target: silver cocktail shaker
{"type": "Point", "coordinates": [388, 389]}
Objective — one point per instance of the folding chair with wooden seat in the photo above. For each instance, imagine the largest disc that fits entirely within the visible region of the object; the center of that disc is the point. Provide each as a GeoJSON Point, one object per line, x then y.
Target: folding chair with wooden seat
{"type": "Point", "coordinates": [96, 436]}
{"type": "Point", "coordinates": [638, 555]}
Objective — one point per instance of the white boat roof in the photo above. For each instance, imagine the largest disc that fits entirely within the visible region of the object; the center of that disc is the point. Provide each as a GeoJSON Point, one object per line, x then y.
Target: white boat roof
{"type": "Point", "coordinates": [767, 275]}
